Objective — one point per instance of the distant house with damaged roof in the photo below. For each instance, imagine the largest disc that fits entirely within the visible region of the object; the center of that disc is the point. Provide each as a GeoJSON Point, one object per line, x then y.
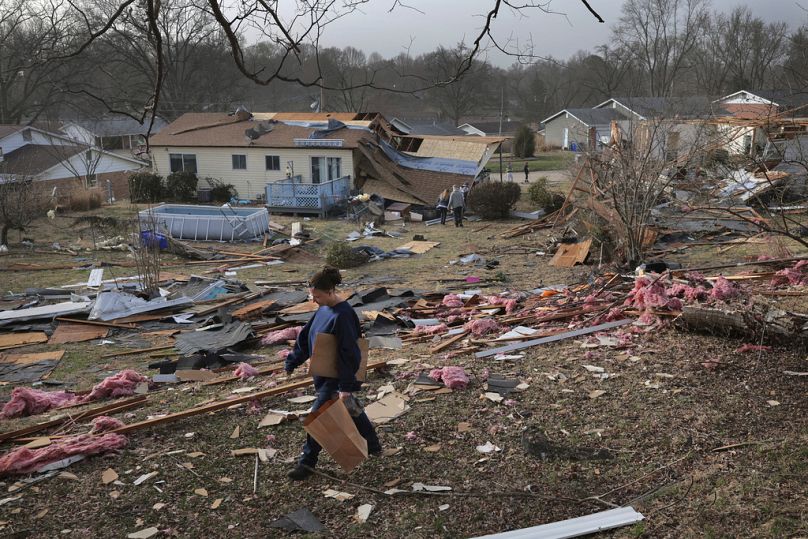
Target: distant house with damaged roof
{"type": "Point", "coordinates": [59, 161]}
{"type": "Point", "coordinates": [301, 156]}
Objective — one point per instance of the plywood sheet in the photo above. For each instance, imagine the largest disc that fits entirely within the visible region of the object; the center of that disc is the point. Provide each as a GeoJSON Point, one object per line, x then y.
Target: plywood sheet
{"type": "Point", "coordinates": [13, 340]}
{"type": "Point", "coordinates": [27, 359]}
{"type": "Point", "coordinates": [253, 309]}
{"type": "Point", "coordinates": [569, 254]}
{"type": "Point", "coordinates": [419, 247]}
{"type": "Point", "coordinates": [67, 333]}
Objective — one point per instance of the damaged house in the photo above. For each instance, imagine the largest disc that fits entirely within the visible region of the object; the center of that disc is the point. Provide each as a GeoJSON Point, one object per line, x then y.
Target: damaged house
{"type": "Point", "coordinates": [310, 162]}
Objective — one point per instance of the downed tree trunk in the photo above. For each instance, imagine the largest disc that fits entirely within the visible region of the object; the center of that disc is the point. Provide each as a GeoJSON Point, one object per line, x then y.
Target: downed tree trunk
{"type": "Point", "coordinates": [759, 321]}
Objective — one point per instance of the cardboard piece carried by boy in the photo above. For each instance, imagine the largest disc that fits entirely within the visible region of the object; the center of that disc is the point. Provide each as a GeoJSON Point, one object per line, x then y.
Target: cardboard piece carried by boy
{"type": "Point", "coordinates": [324, 357]}
{"type": "Point", "coordinates": [334, 429]}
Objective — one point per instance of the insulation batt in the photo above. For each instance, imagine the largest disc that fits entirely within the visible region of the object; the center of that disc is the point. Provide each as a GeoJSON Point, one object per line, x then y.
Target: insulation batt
{"type": "Point", "coordinates": [105, 423]}
{"type": "Point", "coordinates": [688, 293]}
{"type": "Point", "coordinates": [649, 294]}
{"type": "Point", "coordinates": [452, 300]}
{"type": "Point", "coordinates": [245, 370]}
{"type": "Point", "coordinates": [724, 290]}
{"type": "Point", "coordinates": [482, 326]}
{"type": "Point", "coordinates": [753, 348]}
{"type": "Point", "coordinates": [23, 460]}
{"type": "Point", "coordinates": [508, 303]}
{"type": "Point", "coordinates": [452, 377]}
{"type": "Point", "coordinates": [795, 275]}
{"type": "Point", "coordinates": [431, 330]}
{"type": "Point", "coordinates": [282, 335]}
{"type": "Point", "coordinates": [25, 401]}
{"type": "Point", "coordinates": [283, 353]}
{"type": "Point", "coordinates": [122, 384]}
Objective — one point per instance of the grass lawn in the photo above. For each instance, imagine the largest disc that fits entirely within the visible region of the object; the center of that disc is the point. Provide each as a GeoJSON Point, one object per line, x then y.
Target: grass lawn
{"type": "Point", "coordinates": [555, 160]}
{"type": "Point", "coordinates": [658, 415]}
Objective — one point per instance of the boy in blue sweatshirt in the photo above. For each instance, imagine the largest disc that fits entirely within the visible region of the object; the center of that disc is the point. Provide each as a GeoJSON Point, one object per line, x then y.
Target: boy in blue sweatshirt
{"type": "Point", "coordinates": [338, 318]}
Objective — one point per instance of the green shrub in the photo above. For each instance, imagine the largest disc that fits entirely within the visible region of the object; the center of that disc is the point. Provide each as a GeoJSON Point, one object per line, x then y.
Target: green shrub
{"type": "Point", "coordinates": [524, 143]}
{"type": "Point", "coordinates": [145, 187]}
{"type": "Point", "coordinates": [543, 197]}
{"type": "Point", "coordinates": [220, 191]}
{"type": "Point", "coordinates": [494, 200]}
{"type": "Point", "coordinates": [181, 186]}
{"type": "Point", "coordinates": [341, 255]}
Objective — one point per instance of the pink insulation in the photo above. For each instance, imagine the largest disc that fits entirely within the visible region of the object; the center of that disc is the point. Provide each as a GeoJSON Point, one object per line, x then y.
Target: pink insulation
{"type": "Point", "coordinates": [245, 370]}
{"type": "Point", "coordinates": [25, 401]}
{"type": "Point", "coordinates": [795, 275]}
{"type": "Point", "coordinates": [23, 460]}
{"type": "Point", "coordinates": [724, 290]}
{"type": "Point", "coordinates": [452, 377]}
{"type": "Point", "coordinates": [688, 293]}
{"type": "Point", "coordinates": [431, 330]}
{"type": "Point", "coordinates": [281, 335]}
{"type": "Point", "coordinates": [482, 326]}
{"type": "Point", "coordinates": [649, 294]}
{"type": "Point", "coordinates": [282, 354]}
{"type": "Point", "coordinates": [452, 300]}
{"type": "Point", "coordinates": [105, 424]}
{"type": "Point", "coordinates": [122, 384]}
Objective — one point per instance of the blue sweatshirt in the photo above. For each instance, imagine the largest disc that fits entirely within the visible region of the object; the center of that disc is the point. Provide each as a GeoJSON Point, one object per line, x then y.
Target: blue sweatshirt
{"type": "Point", "coordinates": [342, 322]}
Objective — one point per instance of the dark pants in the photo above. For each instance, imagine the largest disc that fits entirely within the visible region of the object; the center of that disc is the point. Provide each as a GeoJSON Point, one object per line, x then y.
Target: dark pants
{"type": "Point", "coordinates": [311, 449]}
{"type": "Point", "coordinates": [458, 216]}
{"type": "Point", "coordinates": [442, 213]}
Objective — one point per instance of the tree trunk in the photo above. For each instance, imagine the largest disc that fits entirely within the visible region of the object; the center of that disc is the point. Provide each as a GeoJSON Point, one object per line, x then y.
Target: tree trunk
{"type": "Point", "coordinates": [757, 322]}
{"type": "Point", "coordinates": [4, 235]}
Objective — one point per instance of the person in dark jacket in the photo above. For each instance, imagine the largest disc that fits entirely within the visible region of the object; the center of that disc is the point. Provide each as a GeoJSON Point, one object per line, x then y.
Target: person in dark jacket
{"type": "Point", "coordinates": [443, 205]}
{"type": "Point", "coordinates": [527, 172]}
{"type": "Point", "coordinates": [338, 318]}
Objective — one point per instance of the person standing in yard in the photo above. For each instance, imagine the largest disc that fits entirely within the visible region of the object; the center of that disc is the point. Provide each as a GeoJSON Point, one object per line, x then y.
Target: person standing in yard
{"type": "Point", "coordinates": [510, 172]}
{"type": "Point", "coordinates": [456, 203]}
{"type": "Point", "coordinates": [443, 205]}
{"type": "Point", "coordinates": [527, 170]}
{"type": "Point", "coordinates": [336, 317]}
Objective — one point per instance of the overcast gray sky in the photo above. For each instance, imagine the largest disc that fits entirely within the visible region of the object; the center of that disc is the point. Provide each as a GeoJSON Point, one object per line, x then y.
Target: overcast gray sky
{"type": "Point", "coordinates": [447, 22]}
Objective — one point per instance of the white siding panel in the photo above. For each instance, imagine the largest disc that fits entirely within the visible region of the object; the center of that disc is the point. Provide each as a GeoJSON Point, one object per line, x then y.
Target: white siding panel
{"type": "Point", "coordinates": [218, 163]}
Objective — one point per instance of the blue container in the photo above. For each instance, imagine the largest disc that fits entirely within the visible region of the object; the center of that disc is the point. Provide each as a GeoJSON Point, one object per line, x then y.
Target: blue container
{"type": "Point", "coordinates": [150, 239]}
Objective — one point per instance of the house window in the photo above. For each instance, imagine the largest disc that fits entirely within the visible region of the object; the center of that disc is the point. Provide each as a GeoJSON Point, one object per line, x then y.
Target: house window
{"type": "Point", "coordinates": [325, 169]}
{"type": "Point", "coordinates": [26, 135]}
{"type": "Point", "coordinates": [239, 162]}
{"type": "Point", "coordinates": [182, 162]}
{"type": "Point", "coordinates": [273, 162]}
{"type": "Point", "coordinates": [92, 180]}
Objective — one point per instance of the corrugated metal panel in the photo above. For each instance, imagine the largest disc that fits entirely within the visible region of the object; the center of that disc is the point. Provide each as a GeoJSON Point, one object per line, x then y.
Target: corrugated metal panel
{"type": "Point", "coordinates": [574, 527]}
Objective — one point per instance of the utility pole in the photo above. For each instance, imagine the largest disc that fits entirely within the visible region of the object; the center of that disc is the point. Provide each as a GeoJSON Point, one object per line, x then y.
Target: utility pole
{"type": "Point", "coordinates": [501, 106]}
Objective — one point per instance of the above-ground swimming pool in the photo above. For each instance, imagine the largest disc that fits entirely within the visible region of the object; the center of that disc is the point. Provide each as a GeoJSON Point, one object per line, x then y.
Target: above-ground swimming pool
{"type": "Point", "coordinates": [207, 223]}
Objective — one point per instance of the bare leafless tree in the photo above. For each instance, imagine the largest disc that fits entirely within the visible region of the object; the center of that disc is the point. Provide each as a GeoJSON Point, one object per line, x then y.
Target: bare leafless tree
{"type": "Point", "coordinates": [661, 35]}
{"type": "Point", "coordinates": [22, 201]}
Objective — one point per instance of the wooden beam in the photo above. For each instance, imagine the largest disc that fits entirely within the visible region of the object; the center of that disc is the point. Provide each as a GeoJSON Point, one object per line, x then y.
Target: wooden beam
{"type": "Point", "coordinates": [214, 406]}
{"type": "Point", "coordinates": [134, 352]}
{"type": "Point", "coordinates": [447, 343]}
{"type": "Point", "coordinates": [96, 323]}
{"type": "Point", "coordinates": [109, 408]}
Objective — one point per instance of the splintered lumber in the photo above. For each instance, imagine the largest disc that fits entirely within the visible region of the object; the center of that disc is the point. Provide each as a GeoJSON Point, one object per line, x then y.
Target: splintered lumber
{"type": "Point", "coordinates": [67, 332]}
{"type": "Point", "coordinates": [554, 338]}
{"type": "Point", "coordinates": [252, 309]}
{"type": "Point", "coordinates": [106, 409]}
{"type": "Point", "coordinates": [447, 343]}
{"type": "Point", "coordinates": [214, 406]}
{"type": "Point", "coordinates": [134, 352]}
{"type": "Point", "coordinates": [96, 323]}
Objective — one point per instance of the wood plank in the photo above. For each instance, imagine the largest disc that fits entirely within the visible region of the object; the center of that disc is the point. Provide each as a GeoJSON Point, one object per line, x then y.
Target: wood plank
{"type": "Point", "coordinates": [108, 408]}
{"type": "Point", "coordinates": [214, 406]}
{"type": "Point", "coordinates": [96, 323]}
{"type": "Point", "coordinates": [67, 332]}
{"type": "Point", "coordinates": [447, 343]}
{"type": "Point", "coordinates": [134, 352]}
{"type": "Point", "coordinates": [554, 338]}
{"type": "Point", "coordinates": [28, 359]}
{"type": "Point", "coordinates": [253, 309]}
{"type": "Point", "coordinates": [419, 247]}
{"type": "Point", "coordinates": [14, 340]}
{"type": "Point", "coordinates": [569, 254]}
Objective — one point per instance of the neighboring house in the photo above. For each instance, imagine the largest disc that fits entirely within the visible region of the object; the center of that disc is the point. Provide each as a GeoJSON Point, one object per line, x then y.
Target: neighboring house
{"type": "Point", "coordinates": [491, 128]}
{"type": "Point", "coordinates": [306, 161]}
{"type": "Point", "coordinates": [415, 127]}
{"type": "Point", "coordinates": [30, 152]}
{"type": "Point", "coordinates": [580, 129]}
{"type": "Point", "coordinates": [752, 118]}
{"type": "Point", "coordinates": [118, 133]}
